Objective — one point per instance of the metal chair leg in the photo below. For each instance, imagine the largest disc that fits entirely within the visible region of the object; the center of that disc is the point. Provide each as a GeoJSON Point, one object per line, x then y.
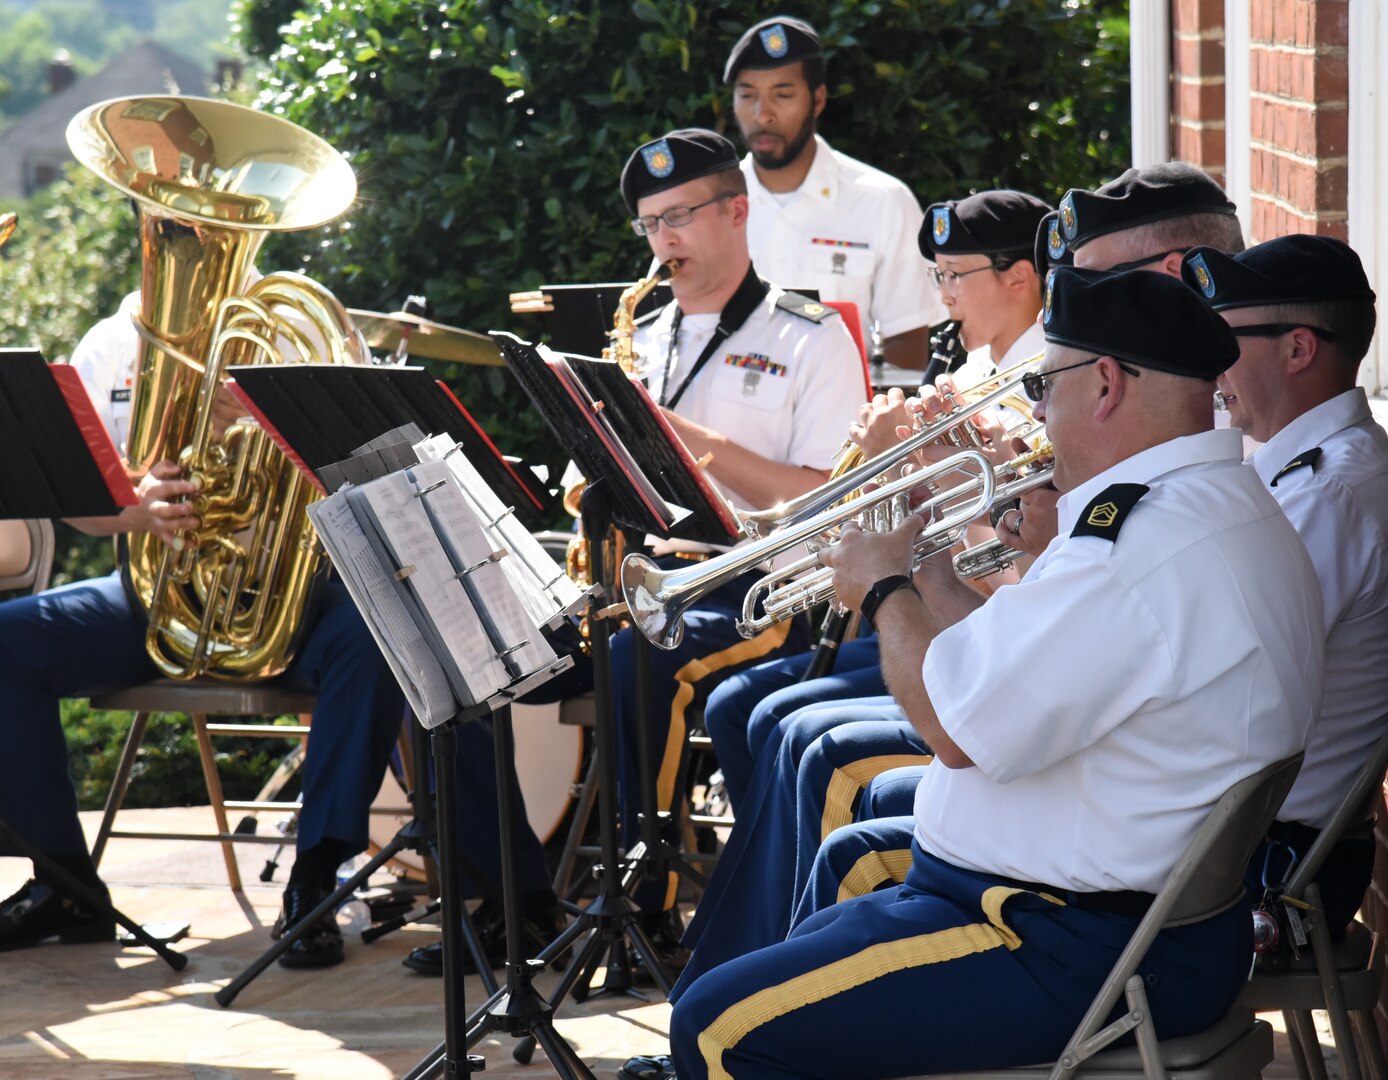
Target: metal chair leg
{"type": "Point", "coordinates": [1300, 1025]}
{"type": "Point", "coordinates": [116, 796]}
{"type": "Point", "coordinates": [1332, 990]}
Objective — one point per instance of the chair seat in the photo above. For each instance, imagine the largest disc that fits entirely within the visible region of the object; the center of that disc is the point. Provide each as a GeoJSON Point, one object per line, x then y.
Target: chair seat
{"type": "Point", "coordinates": [208, 697]}
{"type": "Point", "coordinates": [578, 711]}
{"type": "Point", "coordinates": [1237, 1046]}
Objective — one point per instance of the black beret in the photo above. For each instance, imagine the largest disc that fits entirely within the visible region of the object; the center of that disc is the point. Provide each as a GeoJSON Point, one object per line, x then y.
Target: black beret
{"type": "Point", "coordinates": [1298, 269]}
{"type": "Point", "coordinates": [1139, 197]}
{"type": "Point", "coordinates": [989, 223]}
{"type": "Point", "coordinates": [1051, 248]}
{"type": "Point", "coordinates": [675, 159]}
{"type": "Point", "coordinates": [1148, 319]}
{"type": "Point", "coordinates": [771, 43]}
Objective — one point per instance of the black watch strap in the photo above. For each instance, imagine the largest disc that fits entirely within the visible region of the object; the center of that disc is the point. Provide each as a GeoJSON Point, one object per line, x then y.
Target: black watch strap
{"type": "Point", "coordinates": [880, 591]}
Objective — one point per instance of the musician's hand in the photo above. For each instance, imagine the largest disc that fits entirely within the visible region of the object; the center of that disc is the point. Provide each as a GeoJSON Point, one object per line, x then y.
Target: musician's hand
{"type": "Point", "coordinates": [860, 559]}
{"type": "Point", "coordinates": [160, 510]}
{"type": "Point", "coordinates": [882, 423]}
{"type": "Point", "coordinates": [226, 410]}
{"type": "Point", "coordinates": [1032, 527]}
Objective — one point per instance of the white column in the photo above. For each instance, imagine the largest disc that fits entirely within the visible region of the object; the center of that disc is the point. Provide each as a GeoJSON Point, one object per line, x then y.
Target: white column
{"type": "Point", "coordinates": [1368, 156]}
{"type": "Point", "coordinates": [1150, 41]}
{"type": "Point", "coordinates": [1238, 128]}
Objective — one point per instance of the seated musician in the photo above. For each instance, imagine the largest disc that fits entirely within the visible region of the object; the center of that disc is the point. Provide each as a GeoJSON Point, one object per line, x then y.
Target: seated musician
{"type": "Point", "coordinates": [980, 247]}
{"type": "Point", "coordinates": [1303, 312]}
{"type": "Point", "coordinates": [87, 637]}
{"type": "Point", "coordinates": [765, 381]}
{"type": "Point", "coordinates": [990, 952]}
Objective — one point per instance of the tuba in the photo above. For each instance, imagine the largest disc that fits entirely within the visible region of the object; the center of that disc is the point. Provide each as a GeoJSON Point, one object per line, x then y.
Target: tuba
{"type": "Point", "coordinates": [211, 180]}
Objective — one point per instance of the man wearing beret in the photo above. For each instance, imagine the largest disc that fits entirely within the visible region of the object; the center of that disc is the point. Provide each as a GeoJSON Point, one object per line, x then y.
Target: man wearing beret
{"type": "Point", "coordinates": [785, 797]}
{"type": "Point", "coordinates": [992, 949]}
{"type": "Point", "coordinates": [818, 218]}
{"type": "Point", "coordinates": [763, 380]}
{"type": "Point", "coordinates": [1303, 312]}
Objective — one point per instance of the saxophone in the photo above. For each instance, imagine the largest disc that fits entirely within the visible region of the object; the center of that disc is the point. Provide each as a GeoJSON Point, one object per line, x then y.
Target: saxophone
{"type": "Point", "coordinates": [211, 180]}
{"type": "Point", "coordinates": [623, 351]}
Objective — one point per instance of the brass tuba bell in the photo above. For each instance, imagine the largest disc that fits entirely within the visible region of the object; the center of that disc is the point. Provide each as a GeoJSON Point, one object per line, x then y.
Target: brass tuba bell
{"type": "Point", "coordinates": [211, 181]}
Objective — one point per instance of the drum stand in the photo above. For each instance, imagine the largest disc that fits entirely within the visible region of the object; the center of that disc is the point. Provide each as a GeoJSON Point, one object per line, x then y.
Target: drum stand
{"type": "Point", "coordinates": [421, 834]}
{"type": "Point", "coordinates": [78, 890]}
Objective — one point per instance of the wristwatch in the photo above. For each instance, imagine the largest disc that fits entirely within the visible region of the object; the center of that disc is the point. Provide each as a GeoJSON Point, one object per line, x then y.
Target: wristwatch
{"type": "Point", "coordinates": [880, 591]}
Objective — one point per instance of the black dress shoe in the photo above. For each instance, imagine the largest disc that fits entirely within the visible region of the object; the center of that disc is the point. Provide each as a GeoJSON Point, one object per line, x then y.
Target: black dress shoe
{"type": "Point", "coordinates": [38, 911]}
{"type": "Point", "coordinates": [490, 925]}
{"type": "Point", "coordinates": [648, 1067]}
{"type": "Point", "coordinates": [321, 945]}
{"type": "Point", "coordinates": [664, 931]}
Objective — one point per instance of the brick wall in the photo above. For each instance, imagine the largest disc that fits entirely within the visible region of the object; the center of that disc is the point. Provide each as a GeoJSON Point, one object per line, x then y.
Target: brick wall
{"type": "Point", "coordinates": [1299, 113]}
{"type": "Point", "coordinates": [1197, 84]}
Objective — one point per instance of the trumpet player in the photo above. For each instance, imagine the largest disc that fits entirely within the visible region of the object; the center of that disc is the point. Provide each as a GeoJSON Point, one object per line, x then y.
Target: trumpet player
{"type": "Point", "coordinates": [1303, 312]}
{"type": "Point", "coordinates": [1177, 595]}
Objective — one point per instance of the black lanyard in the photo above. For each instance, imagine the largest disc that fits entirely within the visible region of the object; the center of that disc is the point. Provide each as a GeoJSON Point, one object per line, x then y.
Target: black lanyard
{"type": "Point", "coordinates": [739, 309]}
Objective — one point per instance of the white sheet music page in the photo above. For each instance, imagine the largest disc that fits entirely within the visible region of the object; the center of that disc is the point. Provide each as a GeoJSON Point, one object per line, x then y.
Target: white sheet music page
{"type": "Point", "coordinates": [543, 584]}
{"type": "Point", "coordinates": [470, 547]}
{"type": "Point", "coordinates": [399, 639]}
{"type": "Point", "coordinates": [407, 529]}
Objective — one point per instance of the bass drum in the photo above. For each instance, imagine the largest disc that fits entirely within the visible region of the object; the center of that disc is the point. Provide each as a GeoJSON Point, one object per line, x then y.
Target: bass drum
{"type": "Point", "coordinates": [549, 762]}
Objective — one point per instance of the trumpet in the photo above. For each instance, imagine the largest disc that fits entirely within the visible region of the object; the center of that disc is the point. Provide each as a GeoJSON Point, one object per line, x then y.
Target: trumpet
{"type": "Point", "coordinates": [657, 599]}
{"type": "Point", "coordinates": [807, 583]}
{"type": "Point", "coordinates": [982, 560]}
{"type": "Point", "coordinates": [998, 390]}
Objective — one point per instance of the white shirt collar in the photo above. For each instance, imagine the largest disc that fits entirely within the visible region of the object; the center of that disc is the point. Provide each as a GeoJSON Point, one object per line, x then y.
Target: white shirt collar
{"type": "Point", "coordinates": [1311, 428]}
{"type": "Point", "coordinates": [1203, 448]}
{"type": "Point", "coordinates": [821, 182]}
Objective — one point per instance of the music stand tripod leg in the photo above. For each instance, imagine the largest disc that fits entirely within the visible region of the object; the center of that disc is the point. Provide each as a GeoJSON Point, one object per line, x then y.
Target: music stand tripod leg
{"type": "Point", "coordinates": [80, 891]}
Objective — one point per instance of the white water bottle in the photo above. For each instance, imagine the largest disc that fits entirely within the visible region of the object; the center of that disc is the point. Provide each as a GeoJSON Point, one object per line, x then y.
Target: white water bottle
{"type": "Point", "coordinates": [354, 913]}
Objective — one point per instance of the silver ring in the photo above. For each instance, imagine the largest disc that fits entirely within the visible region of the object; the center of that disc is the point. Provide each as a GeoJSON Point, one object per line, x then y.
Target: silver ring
{"type": "Point", "coordinates": [1015, 527]}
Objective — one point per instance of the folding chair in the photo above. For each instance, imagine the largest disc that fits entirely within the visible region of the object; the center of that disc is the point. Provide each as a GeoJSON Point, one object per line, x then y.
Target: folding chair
{"type": "Point", "coordinates": [1206, 880]}
{"type": "Point", "coordinates": [201, 698]}
{"type": "Point", "coordinates": [33, 576]}
{"type": "Point", "coordinates": [1342, 978]}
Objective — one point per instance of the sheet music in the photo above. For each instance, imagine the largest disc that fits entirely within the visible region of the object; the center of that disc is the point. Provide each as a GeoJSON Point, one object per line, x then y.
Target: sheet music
{"type": "Point", "coordinates": [416, 669]}
{"type": "Point", "coordinates": [512, 630]}
{"type": "Point", "coordinates": [544, 587]}
{"type": "Point", "coordinates": [404, 525]}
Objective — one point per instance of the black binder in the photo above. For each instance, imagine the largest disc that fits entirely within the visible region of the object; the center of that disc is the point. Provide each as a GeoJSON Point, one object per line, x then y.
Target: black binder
{"type": "Point", "coordinates": [58, 459]}
{"type": "Point", "coordinates": [320, 413]}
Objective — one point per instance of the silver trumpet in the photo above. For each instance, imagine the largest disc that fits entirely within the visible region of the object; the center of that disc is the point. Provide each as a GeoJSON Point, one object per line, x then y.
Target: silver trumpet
{"type": "Point", "coordinates": [657, 599]}
{"type": "Point", "coordinates": [996, 391]}
{"type": "Point", "coordinates": [985, 559]}
{"type": "Point", "coordinates": [806, 583]}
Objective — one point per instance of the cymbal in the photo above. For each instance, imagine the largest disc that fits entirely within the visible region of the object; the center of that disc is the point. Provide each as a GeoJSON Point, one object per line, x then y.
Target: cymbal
{"type": "Point", "coordinates": [428, 339]}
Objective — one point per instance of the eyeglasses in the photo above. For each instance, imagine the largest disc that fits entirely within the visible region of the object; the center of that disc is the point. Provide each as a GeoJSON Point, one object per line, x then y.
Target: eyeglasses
{"type": "Point", "coordinates": [1276, 330]}
{"type": "Point", "coordinates": [1138, 264]}
{"type": "Point", "coordinates": [1037, 383]}
{"type": "Point", "coordinates": [948, 280]}
{"type": "Point", "coordinates": [677, 217]}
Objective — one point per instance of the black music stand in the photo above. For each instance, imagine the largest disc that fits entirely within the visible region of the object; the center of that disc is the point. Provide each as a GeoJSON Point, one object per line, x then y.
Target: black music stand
{"type": "Point", "coordinates": [608, 423]}
{"type": "Point", "coordinates": [60, 462]}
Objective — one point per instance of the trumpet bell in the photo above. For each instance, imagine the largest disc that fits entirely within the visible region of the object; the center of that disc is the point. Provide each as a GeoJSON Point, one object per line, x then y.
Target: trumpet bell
{"type": "Point", "coordinates": [656, 613]}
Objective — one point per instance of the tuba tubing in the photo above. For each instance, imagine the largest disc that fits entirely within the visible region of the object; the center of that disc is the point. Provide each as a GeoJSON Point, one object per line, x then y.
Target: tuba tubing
{"type": "Point", "coordinates": [657, 599]}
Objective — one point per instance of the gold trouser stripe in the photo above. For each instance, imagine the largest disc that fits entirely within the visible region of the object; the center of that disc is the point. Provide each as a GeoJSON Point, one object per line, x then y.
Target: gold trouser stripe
{"type": "Point", "coordinates": [770, 639]}
{"type": "Point", "coordinates": [871, 870]}
{"type": "Point", "coordinates": [738, 1020]}
{"type": "Point", "coordinates": [848, 780]}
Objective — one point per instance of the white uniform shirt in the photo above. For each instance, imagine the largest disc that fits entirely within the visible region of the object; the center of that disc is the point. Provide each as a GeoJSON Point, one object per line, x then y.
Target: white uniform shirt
{"type": "Point", "coordinates": [1142, 677]}
{"type": "Point", "coordinates": [980, 364]}
{"type": "Point", "coordinates": [849, 231]}
{"type": "Point", "coordinates": [782, 386]}
{"type": "Point", "coordinates": [105, 361]}
{"type": "Point", "coordinates": [1339, 507]}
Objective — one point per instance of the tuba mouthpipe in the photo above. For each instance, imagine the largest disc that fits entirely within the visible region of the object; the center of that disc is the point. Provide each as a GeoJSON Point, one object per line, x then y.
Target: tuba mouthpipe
{"type": "Point", "coordinates": [659, 598]}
